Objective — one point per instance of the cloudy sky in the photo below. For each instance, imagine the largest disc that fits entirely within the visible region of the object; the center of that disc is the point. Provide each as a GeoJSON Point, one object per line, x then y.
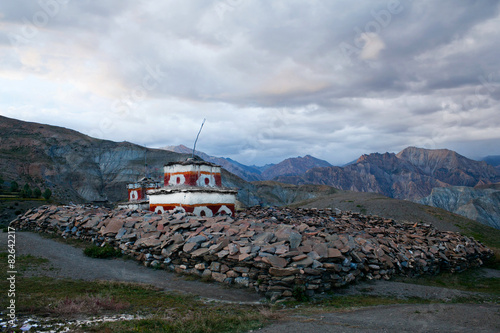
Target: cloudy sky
{"type": "Point", "coordinates": [274, 79]}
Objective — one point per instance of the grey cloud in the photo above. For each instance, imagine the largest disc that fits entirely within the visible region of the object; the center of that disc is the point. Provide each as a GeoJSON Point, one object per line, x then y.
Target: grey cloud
{"type": "Point", "coordinates": [272, 75]}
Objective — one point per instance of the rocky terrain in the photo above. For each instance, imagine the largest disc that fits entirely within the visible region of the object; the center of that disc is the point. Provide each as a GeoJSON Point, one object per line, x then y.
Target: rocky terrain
{"type": "Point", "coordinates": [75, 166]}
{"type": "Point", "coordinates": [411, 174]}
{"type": "Point", "coordinates": [277, 252]}
{"type": "Point", "coordinates": [481, 203]}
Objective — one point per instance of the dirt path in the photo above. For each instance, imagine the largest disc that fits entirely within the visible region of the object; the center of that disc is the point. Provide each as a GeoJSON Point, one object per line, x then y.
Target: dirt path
{"type": "Point", "coordinates": [70, 262]}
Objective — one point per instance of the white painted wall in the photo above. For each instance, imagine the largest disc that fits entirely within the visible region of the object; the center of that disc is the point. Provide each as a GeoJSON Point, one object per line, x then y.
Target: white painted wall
{"type": "Point", "coordinates": [192, 198]}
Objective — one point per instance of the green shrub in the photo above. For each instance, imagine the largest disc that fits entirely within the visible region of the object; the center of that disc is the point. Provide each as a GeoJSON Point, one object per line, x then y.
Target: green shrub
{"type": "Point", "coordinates": [14, 186]}
{"type": "Point", "coordinates": [47, 194]}
{"type": "Point", "coordinates": [102, 252]}
{"type": "Point", "coordinates": [299, 293]}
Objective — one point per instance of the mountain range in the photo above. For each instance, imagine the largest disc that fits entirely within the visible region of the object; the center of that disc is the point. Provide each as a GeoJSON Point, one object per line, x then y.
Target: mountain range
{"type": "Point", "coordinates": [410, 174]}
{"type": "Point", "coordinates": [289, 167]}
{"type": "Point", "coordinates": [80, 168]}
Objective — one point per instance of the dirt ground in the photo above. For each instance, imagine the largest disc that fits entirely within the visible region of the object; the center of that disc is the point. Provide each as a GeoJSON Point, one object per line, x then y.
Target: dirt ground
{"type": "Point", "coordinates": [398, 318]}
{"type": "Point", "coordinates": [69, 262]}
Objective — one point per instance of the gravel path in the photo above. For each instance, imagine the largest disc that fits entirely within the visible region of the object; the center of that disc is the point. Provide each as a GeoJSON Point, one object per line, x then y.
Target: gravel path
{"type": "Point", "coordinates": [70, 262]}
{"type": "Point", "coordinates": [403, 290]}
{"type": "Point", "coordinates": [399, 318]}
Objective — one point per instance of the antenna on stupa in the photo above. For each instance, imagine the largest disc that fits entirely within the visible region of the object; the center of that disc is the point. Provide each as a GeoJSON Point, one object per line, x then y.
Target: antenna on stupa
{"type": "Point", "coordinates": [194, 147]}
{"type": "Point", "coordinates": [145, 164]}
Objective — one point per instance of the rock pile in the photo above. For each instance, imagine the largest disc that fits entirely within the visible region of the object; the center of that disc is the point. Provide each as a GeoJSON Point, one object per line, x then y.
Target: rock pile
{"type": "Point", "coordinates": [278, 252]}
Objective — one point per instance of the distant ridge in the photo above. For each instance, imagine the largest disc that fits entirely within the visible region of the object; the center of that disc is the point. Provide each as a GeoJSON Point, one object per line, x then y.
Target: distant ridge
{"type": "Point", "coordinates": [289, 167]}
{"type": "Point", "coordinates": [294, 166]}
{"type": "Point", "coordinates": [493, 160]}
{"type": "Point", "coordinates": [411, 174]}
{"type": "Point", "coordinates": [247, 173]}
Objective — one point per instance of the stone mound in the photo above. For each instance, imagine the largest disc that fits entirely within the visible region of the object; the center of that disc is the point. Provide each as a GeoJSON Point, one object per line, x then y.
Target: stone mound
{"type": "Point", "coordinates": [278, 252]}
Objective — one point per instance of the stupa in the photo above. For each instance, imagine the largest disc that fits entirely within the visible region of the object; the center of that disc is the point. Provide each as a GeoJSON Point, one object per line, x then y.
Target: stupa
{"type": "Point", "coordinates": [193, 186]}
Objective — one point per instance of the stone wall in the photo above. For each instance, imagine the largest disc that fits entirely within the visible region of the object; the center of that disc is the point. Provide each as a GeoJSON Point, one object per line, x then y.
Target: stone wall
{"type": "Point", "coordinates": [277, 252]}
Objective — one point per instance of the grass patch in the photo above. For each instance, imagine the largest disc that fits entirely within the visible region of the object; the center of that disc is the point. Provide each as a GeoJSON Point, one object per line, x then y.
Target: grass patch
{"type": "Point", "coordinates": [69, 240]}
{"type": "Point", "coordinates": [487, 235]}
{"type": "Point", "coordinates": [87, 304]}
{"type": "Point", "coordinates": [341, 302]}
{"type": "Point", "coordinates": [102, 252]}
{"type": "Point", "coordinates": [469, 280]}
{"type": "Point", "coordinates": [23, 262]}
{"type": "Point", "coordinates": [337, 302]}
{"type": "Point", "coordinates": [222, 319]}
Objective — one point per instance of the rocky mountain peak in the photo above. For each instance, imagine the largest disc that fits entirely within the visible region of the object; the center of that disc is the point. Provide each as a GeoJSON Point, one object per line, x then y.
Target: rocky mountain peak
{"type": "Point", "coordinates": [294, 166]}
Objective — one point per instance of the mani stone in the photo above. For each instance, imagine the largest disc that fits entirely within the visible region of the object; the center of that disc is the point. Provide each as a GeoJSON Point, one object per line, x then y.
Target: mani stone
{"type": "Point", "coordinates": [295, 239]}
{"type": "Point", "coordinates": [283, 271]}
{"type": "Point", "coordinates": [275, 261]}
{"type": "Point", "coordinates": [113, 226]}
{"type": "Point", "coordinates": [197, 239]}
{"type": "Point", "coordinates": [199, 252]}
{"type": "Point", "coordinates": [283, 232]}
{"type": "Point", "coordinates": [189, 247]}
{"type": "Point", "coordinates": [334, 253]}
{"type": "Point", "coordinates": [263, 238]}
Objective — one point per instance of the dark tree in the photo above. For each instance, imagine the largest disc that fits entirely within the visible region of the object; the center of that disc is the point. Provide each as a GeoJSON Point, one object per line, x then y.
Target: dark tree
{"type": "Point", "coordinates": [47, 194]}
{"type": "Point", "coordinates": [26, 191]}
{"type": "Point", "coordinates": [14, 186]}
{"type": "Point", "coordinates": [37, 193]}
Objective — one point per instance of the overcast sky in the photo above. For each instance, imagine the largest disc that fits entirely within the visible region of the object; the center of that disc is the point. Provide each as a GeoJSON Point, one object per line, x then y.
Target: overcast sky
{"type": "Point", "coordinates": [274, 79]}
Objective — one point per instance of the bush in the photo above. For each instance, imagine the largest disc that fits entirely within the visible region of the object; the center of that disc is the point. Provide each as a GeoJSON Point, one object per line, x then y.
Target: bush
{"type": "Point", "coordinates": [102, 252]}
{"type": "Point", "coordinates": [14, 186]}
{"type": "Point", "coordinates": [26, 192]}
{"type": "Point", "coordinates": [299, 293]}
{"type": "Point", "coordinates": [37, 193]}
{"type": "Point", "coordinates": [47, 194]}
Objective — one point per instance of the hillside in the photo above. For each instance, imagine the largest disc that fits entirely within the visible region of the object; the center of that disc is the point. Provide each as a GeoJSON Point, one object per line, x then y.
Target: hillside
{"type": "Point", "coordinates": [411, 174]}
{"type": "Point", "coordinates": [75, 166]}
{"type": "Point", "coordinates": [481, 203]}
